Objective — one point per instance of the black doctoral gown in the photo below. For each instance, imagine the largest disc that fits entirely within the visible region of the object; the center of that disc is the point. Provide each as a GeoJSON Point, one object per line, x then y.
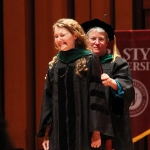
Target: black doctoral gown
{"type": "Point", "coordinates": [74, 106]}
{"type": "Point", "coordinates": [119, 107]}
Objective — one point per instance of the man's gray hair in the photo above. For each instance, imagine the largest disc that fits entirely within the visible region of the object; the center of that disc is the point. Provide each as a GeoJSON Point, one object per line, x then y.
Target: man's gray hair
{"type": "Point", "coordinates": [98, 29]}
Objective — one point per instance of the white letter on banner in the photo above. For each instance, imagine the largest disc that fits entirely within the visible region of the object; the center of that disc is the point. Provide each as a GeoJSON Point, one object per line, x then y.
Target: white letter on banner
{"type": "Point", "coordinates": [145, 53]}
{"type": "Point", "coordinates": [125, 51]}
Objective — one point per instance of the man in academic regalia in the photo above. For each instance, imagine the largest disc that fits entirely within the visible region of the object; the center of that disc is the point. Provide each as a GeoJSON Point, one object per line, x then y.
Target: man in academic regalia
{"type": "Point", "coordinates": [117, 80]}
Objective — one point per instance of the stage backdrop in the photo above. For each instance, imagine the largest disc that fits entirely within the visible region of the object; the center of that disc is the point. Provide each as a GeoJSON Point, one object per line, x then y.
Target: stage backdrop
{"type": "Point", "coordinates": [134, 46]}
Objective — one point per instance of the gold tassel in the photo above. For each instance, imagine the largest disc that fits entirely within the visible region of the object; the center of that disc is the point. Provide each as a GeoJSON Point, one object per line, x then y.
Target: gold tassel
{"type": "Point", "coordinates": [116, 52]}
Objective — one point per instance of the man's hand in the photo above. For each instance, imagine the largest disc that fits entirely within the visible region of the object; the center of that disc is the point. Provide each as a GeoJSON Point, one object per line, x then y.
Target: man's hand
{"type": "Point", "coordinates": [107, 81]}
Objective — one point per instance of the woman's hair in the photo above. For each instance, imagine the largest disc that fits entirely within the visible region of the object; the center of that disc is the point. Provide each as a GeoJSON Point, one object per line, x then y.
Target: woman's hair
{"type": "Point", "coordinates": [80, 65]}
{"type": "Point", "coordinates": [98, 29]}
{"type": "Point", "coordinates": [81, 42]}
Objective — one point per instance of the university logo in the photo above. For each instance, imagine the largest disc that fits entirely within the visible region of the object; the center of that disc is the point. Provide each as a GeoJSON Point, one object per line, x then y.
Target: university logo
{"type": "Point", "coordinates": [141, 99]}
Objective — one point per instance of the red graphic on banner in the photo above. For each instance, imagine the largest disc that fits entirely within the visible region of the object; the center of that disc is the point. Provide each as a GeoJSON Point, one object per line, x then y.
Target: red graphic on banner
{"type": "Point", "coordinates": [134, 46]}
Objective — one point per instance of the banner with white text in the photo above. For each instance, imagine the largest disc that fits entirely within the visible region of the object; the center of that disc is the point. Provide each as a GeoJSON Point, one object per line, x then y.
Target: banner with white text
{"type": "Point", "coordinates": [134, 46]}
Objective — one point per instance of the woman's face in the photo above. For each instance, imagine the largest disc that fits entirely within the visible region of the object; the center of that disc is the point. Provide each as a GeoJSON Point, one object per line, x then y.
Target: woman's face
{"type": "Point", "coordinates": [98, 42]}
{"type": "Point", "coordinates": [64, 39]}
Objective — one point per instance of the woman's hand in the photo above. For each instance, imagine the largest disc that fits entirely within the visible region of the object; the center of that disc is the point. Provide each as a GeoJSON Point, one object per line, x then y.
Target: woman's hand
{"type": "Point", "coordinates": [96, 139]}
{"type": "Point", "coordinates": [45, 143]}
{"type": "Point", "coordinates": [107, 81]}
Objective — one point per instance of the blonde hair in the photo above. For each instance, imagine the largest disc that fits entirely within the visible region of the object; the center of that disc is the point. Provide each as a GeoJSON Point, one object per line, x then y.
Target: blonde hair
{"type": "Point", "coordinates": [81, 42]}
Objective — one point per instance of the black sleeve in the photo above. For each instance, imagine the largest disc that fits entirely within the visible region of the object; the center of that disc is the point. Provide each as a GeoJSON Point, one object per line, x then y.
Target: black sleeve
{"type": "Point", "coordinates": [122, 73]}
{"type": "Point", "coordinates": [46, 110]}
{"type": "Point", "coordinates": [99, 116]}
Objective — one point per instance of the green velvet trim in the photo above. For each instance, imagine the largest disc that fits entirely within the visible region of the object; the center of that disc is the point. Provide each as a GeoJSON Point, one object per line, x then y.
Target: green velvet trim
{"type": "Point", "coordinates": [105, 58]}
{"type": "Point", "coordinates": [72, 55]}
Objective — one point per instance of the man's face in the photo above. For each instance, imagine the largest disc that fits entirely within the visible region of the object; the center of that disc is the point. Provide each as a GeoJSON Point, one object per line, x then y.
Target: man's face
{"type": "Point", "coordinates": [98, 42]}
